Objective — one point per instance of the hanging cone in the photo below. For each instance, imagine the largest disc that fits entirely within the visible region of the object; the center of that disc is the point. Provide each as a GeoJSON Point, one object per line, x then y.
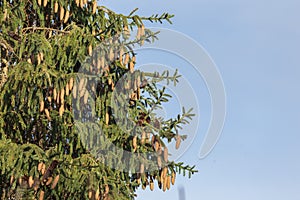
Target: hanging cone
{"type": "Point", "coordinates": [94, 7]}
{"type": "Point", "coordinates": [42, 193]}
{"type": "Point", "coordinates": [55, 181]}
{"type": "Point", "coordinates": [55, 7]}
{"type": "Point", "coordinates": [45, 3]}
{"type": "Point", "coordinates": [67, 14]}
{"type": "Point", "coordinates": [61, 13]}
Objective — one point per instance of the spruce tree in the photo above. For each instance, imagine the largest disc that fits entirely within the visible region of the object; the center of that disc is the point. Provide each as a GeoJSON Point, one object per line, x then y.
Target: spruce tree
{"type": "Point", "coordinates": [76, 117]}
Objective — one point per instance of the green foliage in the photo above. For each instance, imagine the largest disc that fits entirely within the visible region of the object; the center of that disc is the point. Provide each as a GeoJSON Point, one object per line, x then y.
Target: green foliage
{"type": "Point", "coordinates": [61, 62]}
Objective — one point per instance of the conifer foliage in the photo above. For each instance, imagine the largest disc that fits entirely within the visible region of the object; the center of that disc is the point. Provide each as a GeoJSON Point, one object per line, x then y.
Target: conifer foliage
{"type": "Point", "coordinates": [62, 132]}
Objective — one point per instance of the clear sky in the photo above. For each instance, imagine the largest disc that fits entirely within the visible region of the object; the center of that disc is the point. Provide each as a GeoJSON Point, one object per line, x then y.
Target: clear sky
{"type": "Point", "coordinates": [256, 46]}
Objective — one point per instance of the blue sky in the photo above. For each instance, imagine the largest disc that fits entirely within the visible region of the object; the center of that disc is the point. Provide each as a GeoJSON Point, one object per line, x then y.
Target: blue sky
{"type": "Point", "coordinates": [256, 46]}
